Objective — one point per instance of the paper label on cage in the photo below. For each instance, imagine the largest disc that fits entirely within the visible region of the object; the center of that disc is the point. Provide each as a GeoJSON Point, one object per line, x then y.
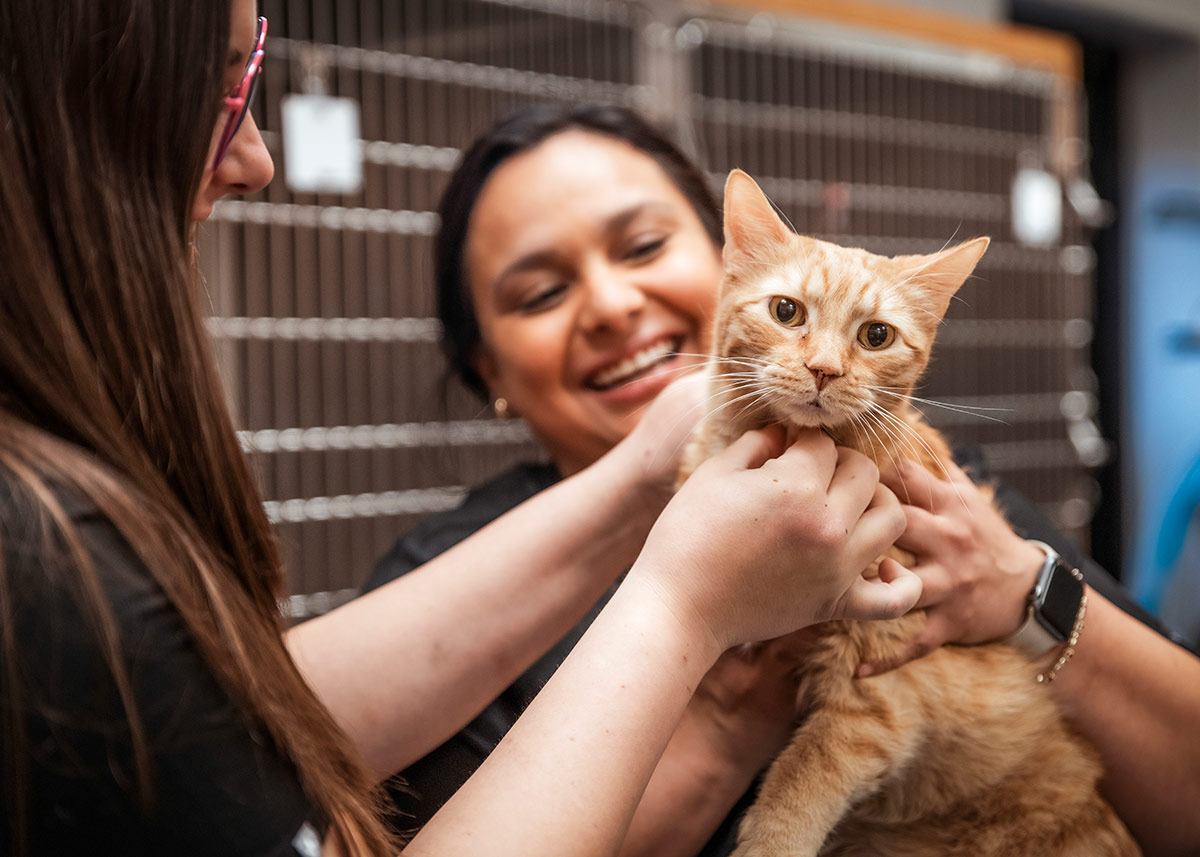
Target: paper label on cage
{"type": "Point", "coordinates": [1036, 207]}
{"type": "Point", "coordinates": [322, 147]}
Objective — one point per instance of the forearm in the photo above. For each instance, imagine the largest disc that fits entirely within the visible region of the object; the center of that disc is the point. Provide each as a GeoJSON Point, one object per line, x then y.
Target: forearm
{"type": "Point", "coordinates": [1136, 696]}
{"type": "Point", "coordinates": [568, 776]}
{"type": "Point", "coordinates": [454, 633]}
{"type": "Point", "coordinates": [687, 799]}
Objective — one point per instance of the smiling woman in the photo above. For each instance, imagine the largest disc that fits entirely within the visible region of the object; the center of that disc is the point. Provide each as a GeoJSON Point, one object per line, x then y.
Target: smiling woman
{"type": "Point", "coordinates": [577, 271]}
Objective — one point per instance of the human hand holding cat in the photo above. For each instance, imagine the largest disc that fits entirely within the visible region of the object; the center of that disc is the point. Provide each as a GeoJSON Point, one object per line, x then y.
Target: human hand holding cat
{"type": "Point", "coordinates": [746, 705]}
{"type": "Point", "coordinates": [976, 572]}
{"type": "Point", "coordinates": [652, 450]}
{"type": "Point", "coordinates": [762, 540]}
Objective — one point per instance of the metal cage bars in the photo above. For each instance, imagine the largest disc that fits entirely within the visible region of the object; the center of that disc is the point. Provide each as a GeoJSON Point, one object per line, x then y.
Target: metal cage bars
{"type": "Point", "coordinates": [322, 306]}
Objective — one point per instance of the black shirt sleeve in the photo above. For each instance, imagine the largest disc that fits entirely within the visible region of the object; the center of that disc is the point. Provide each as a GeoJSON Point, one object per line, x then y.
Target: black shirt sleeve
{"type": "Point", "coordinates": [214, 786]}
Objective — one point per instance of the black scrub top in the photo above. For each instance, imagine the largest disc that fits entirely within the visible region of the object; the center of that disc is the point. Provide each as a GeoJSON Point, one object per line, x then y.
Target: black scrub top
{"type": "Point", "coordinates": [218, 786]}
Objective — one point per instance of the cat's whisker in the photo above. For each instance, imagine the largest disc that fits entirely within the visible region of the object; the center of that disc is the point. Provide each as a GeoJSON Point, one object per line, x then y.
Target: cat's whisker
{"type": "Point", "coordinates": [738, 388]}
{"type": "Point", "coordinates": [913, 455]}
{"type": "Point", "coordinates": [751, 395]}
{"type": "Point", "coordinates": [966, 410]}
{"type": "Point", "coordinates": [936, 458]}
{"type": "Point", "coordinates": [702, 404]}
{"type": "Point", "coordinates": [677, 371]}
{"type": "Point", "coordinates": [753, 399]}
{"type": "Point", "coordinates": [877, 444]}
{"type": "Point", "coordinates": [854, 426]}
{"type": "Point", "coordinates": [857, 420]}
{"type": "Point", "coordinates": [741, 370]}
{"type": "Point", "coordinates": [735, 377]}
{"type": "Point", "coordinates": [888, 425]}
{"type": "Point", "coordinates": [680, 372]}
{"type": "Point", "coordinates": [891, 391]}
{"type": "Point", "coordinates": [898, 431]}
{"type": "Point", "coordinates": [883, 414]}
{"type": "Point", "coordinates": [714, 406]}
{"type": "Point", "coordinates": [743, 360]}
{"type": "Point", "coordinates": [899, 438]}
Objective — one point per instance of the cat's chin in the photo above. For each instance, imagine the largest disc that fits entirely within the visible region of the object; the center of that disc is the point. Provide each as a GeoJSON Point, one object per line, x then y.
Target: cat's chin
{"type": "Point", "coordinates": [811, 416]}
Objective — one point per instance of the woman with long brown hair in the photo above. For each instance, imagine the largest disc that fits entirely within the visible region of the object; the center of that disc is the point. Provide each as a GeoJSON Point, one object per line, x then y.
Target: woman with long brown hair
{"type": "Point", "coordinates": [151, 702]}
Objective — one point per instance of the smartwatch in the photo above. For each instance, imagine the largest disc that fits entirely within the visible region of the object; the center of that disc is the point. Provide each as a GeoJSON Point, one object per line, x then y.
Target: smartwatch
{"type": "Point", "coordinates": [1053, 605]}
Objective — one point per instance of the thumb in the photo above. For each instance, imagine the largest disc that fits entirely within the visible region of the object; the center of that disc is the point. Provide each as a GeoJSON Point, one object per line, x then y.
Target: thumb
{"type": "Point", "coordinates": [932, 636]}
{"type": "Point", "coordinates": [752, 450]}
{"type": "Point", "coordinates": [891, 596]}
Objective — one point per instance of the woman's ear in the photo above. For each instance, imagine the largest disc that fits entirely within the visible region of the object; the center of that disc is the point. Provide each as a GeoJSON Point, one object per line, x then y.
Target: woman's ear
{"type": "Point", "coordinates": [485, 366]}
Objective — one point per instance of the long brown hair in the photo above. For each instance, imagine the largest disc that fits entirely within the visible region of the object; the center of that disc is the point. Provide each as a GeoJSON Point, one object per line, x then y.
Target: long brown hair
{"type": "Point", "coordinates": [108, 387]}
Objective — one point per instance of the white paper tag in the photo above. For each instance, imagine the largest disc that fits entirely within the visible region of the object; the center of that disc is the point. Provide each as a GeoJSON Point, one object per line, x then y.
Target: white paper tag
{"type": "Point", "coordinates": [1036, 207]}
{"type": "Point", "coordinates": [322, 148]}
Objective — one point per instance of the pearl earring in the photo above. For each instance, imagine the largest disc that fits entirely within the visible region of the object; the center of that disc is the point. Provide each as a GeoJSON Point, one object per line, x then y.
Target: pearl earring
{"type": "Point", "coordinates": [500, 406]}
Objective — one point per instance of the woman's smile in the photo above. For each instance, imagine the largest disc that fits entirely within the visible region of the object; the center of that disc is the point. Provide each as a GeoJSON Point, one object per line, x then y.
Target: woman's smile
{"type": "Point", "coordinates": [636, 365]}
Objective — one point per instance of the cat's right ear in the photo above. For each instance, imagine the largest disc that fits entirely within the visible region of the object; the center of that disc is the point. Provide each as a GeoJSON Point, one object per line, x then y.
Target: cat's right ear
{"type": "Point", "coordinates": [752, 228]}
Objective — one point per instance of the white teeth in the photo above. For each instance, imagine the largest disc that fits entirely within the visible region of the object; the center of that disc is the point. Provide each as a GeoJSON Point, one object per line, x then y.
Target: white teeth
{"type": "Point", "coordinates": [636, 363]}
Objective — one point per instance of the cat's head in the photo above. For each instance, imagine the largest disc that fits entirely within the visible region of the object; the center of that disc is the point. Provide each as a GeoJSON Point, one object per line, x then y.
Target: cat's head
{"type": "Point", "coordinates": [823, 333]}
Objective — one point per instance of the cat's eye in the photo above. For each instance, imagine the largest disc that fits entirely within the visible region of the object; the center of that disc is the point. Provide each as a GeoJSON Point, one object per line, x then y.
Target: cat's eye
{"type": "Point", "coordinates": [787, 312]}
{"type": "Point", "coordinates": [876, 335]}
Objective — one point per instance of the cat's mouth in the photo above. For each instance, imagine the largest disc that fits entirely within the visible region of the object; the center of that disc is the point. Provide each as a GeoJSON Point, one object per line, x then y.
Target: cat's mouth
{"type": "Point", "coordinates": [816, 412]}
{"type": "Point", "coordinates": [635, 365]}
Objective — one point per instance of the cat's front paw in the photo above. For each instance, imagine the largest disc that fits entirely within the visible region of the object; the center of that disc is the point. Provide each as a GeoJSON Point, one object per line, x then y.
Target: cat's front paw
{"type": "Point", "coordinates": [763, 834]}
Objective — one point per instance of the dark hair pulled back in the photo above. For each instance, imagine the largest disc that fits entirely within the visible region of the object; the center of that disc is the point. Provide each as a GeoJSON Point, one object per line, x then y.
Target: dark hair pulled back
{"type": "Point", "coordinates": [520, 132]}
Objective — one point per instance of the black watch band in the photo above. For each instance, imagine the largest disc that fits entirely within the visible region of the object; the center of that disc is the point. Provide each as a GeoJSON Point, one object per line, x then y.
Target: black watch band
{"type": "Point", "coordinates": [1052, 607]}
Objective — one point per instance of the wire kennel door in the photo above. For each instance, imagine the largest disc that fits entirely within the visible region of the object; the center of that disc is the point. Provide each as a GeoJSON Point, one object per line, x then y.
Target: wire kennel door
{"type": "Point", "coordinates": [322, 306]}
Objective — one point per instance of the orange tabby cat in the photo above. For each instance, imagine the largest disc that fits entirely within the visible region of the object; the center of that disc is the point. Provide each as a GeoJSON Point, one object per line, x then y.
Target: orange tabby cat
{"type": "Point", "coordinates": [958, 753]}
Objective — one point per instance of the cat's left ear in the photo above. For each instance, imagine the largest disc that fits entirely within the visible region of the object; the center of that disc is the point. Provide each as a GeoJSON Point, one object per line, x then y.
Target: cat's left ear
{"type": "Point", "coordinates": [938, 276]}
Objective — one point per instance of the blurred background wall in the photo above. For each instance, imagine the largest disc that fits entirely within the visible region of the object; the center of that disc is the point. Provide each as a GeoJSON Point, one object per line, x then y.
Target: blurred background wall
{"type": "Point", "coordinates": [894, 126]}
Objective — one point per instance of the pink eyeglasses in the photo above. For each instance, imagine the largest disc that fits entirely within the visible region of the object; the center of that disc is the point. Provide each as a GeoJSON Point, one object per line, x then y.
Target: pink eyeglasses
{"type": "Point", "coordinates": [238, 104]}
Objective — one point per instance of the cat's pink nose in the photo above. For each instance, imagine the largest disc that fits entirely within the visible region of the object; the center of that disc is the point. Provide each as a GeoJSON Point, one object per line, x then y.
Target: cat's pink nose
{"type": "Point", "coordinates": [823, 375]}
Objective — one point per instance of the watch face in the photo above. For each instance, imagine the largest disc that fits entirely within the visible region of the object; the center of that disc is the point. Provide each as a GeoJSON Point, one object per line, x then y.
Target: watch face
{"type": "Point", "coordinates": [1060, 601]}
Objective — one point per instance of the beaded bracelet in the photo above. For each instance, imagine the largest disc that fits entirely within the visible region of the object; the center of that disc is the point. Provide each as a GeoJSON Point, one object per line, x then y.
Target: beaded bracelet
{"type": "Point", "coordinates": [1050, 674]}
